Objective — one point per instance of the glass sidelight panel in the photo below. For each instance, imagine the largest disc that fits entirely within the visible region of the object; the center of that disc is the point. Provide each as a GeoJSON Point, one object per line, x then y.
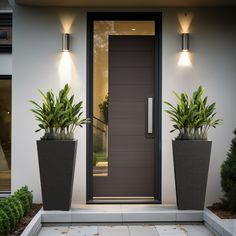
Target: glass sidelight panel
{"type": "Point", "coordinates": [102, 30]}
{"type": "Point", "coordinates": [5, 135]}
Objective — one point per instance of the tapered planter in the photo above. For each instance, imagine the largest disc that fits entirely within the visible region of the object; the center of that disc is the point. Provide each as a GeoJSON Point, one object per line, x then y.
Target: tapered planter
{"type": "Point", "coordinates": [56, 164]}
{"type": "Point", "coordinates": [191, 164]}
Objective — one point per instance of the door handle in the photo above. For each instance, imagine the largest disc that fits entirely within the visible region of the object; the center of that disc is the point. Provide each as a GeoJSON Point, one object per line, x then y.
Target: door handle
{"type": "Point", "coordinates": [149, 115]}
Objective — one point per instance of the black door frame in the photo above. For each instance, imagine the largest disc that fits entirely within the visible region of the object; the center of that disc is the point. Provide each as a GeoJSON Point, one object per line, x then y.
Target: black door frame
{"type": "Point", "coordinates": [142, 16]}
{"type": "Point", "coordinates": [4, 194]}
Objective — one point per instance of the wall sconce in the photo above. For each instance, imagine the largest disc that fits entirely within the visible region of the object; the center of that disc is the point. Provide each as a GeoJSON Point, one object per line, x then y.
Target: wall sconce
{"type": "Point", "coordinates": [184, 59]}
{"type": "Point", "coordinates": [65, 42]}
{"type": "Point", "coordinates": [185, 42]}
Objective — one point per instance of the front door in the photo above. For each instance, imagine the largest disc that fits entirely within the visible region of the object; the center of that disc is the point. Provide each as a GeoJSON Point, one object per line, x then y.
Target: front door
{"type": "Point", "coordinates": [130, 148]}
{"type": "Point", "coordinates": [123, 124]}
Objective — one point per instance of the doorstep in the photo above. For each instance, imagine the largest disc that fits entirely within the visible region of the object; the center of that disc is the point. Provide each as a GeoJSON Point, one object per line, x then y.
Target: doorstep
{"type": "Point", "coordinates": [112, 214]}
{"type": "Point", "coordinates": [122, 214]}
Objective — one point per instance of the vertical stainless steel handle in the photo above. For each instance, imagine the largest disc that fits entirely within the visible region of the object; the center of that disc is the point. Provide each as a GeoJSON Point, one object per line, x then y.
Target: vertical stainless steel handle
{"type": "Point", "coordinates": [150, 115]}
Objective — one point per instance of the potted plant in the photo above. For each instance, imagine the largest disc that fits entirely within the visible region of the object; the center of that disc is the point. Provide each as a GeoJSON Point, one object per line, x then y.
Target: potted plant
{"type": "Point", "coordinates": [58, 117]}
{"type": "Point", "coordinates": [192, 118]}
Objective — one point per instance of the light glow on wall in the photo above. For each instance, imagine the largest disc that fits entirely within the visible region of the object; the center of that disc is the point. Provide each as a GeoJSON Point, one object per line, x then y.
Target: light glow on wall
{"type": "Point", "coordinates": [67, 21]}
{"type": "Point", "coordinates": [184, 59]}
{"type": "Point", "coordinates": [185, 20]}
{"type": "Point", "coordinates": [65, 68]}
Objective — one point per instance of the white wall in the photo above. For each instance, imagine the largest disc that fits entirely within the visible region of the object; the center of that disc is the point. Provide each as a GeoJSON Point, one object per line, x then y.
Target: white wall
{"type": "Point", "coordinates": [36, 59]}
{"type": "Point", "coordinates": [5, 64]}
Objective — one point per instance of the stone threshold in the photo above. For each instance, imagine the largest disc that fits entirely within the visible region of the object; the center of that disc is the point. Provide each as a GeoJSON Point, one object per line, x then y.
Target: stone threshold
{"type": "Point", "coordinates": [121, 214]}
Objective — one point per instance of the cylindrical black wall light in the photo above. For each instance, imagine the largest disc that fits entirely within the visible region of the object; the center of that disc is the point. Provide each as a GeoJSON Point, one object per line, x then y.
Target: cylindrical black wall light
{"type": "Point", "coordinates": [65, 42]}
{"type": "Point", "coordinates": [185, 42]}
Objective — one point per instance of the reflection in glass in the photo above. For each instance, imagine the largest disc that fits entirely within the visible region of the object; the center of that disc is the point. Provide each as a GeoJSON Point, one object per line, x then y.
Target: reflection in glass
{"type": "Point", "coordinates": [102, 30]}
{"type": "Point", "coordinates": [5, 135]}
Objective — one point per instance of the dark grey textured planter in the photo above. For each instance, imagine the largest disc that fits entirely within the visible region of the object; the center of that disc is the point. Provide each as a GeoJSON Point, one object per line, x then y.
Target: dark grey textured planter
{"type": "Point", "coordinates": [56, 164]}
{"type": "Point", "coordinates": [191, 164]}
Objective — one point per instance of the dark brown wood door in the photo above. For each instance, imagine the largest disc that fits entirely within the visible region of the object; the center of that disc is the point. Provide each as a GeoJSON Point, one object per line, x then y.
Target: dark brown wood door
{"type": "Point", "coordinates": [130, 149]}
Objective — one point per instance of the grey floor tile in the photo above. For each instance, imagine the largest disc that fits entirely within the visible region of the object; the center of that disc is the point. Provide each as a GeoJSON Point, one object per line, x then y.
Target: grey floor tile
{"type": "Point", "coordinates": [142, 230]}
{"type": "Point", "coordinates": [170, 230]}
{"type": "Point", "coordinates": [113, 230]}
{"type": "Point", "coordinates": [197, 230]}
{"type": "Point", "coordinates": [126, 230]}
{"type": "Point", "coordinates": [83, 231]}
{"type": "Point", "coordinates": [54, 231]}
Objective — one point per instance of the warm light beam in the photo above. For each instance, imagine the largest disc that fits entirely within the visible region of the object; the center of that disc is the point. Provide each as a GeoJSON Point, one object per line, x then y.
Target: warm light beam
{"type": "Point", "coordinates": [184, 59]}
{"type": "Point", "coordinates": [67, 21]}
{"type": "Point", "coordinates": [185, 20]}
{"type": "Point", "coordinates": [65, 68]}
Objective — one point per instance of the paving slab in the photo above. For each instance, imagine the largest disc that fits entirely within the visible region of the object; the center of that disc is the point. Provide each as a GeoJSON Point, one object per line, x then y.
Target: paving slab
{"type": "Point", "coordinates": [126, 230]}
